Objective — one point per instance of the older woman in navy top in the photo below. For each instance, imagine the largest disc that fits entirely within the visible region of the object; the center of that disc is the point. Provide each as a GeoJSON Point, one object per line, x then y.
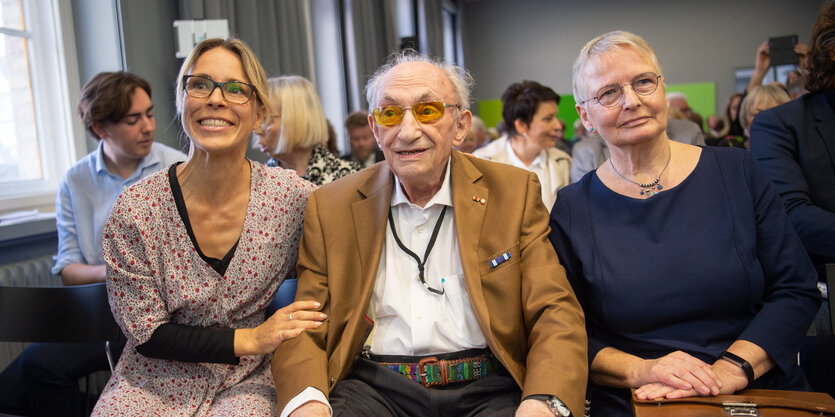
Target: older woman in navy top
{"type": "Point", "coordinates": [692, 279]}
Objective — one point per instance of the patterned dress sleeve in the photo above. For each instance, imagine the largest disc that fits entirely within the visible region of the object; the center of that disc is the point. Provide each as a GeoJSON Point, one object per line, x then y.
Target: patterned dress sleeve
{"type": "Point", "coordinates": [132, 282]}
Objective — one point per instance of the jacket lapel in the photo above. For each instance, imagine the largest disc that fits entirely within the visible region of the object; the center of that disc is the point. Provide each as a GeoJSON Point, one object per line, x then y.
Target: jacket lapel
{"type": "Point", "coordinates": [824, 123]}
{"type": "Point", "coordinates": [369, 216]}
{"type": "Point", "coordinates": [469, 220]}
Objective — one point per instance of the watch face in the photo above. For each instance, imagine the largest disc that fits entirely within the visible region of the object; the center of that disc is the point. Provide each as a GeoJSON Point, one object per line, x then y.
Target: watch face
{"type": "Point", "coordinates": [558, 408]}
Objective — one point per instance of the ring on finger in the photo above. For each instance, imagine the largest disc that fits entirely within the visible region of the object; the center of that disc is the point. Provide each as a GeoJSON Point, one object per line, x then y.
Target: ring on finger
{"type": "Point", "coordinates": [281, 335]}
{"type": "Point", "coordinates": [291, 316]}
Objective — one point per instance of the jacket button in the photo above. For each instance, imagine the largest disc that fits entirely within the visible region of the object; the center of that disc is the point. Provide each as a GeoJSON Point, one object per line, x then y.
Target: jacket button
{"type": "Point", "coordinates": [333, 380]}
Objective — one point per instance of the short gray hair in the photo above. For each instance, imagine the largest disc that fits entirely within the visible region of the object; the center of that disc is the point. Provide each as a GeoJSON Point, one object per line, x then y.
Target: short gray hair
{"type": "Point", "coordinates": [459, 77]}
{"type": "Point", "coordinates": [603, 44]}
{"type": "Point", "coordinates": [676, 94]}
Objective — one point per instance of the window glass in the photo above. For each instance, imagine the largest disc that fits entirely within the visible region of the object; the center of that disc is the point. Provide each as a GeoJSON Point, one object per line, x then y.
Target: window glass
{"type": "Point", "coordinates": [37, 83]}
{"type": "Point", "coordinates": [19, 153]}
{"type": "Point", "coordinates": [11, 14]}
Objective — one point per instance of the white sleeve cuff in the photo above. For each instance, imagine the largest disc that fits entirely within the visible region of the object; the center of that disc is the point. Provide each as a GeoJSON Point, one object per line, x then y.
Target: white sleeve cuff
{"type": "Point", "coordinates": [309, 394]}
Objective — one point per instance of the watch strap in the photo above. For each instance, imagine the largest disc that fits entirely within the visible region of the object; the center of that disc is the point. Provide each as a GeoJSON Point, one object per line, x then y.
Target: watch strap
{"type": "Point", "coordinates": [742, 363]}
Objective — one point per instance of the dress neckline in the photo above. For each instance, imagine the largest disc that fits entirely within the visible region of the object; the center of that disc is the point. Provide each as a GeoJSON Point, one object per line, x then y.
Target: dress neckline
{"type": "Point", "coordinates": [596, 182]}
{"type": "Point", "coordinates": [219, 265]}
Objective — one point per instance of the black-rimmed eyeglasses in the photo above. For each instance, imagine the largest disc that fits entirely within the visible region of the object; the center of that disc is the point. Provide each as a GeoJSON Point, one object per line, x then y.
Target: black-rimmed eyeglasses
{"type": "Point", "coordinates": [199, 86]}
{"type": "Point", "coordinates": [610, 95]}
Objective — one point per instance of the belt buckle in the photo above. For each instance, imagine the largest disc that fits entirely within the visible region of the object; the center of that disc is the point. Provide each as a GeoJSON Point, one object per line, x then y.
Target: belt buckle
{"type": "Point", "coordinates": [424, 373]}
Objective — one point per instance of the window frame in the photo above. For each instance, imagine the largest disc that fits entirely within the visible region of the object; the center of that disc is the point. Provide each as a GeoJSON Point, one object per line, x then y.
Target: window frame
{"type": "Point", "coordinates": [54, 79]}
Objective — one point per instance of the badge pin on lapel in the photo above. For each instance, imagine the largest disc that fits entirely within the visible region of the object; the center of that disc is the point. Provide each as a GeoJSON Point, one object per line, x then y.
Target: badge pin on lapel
{"type": "Point", "coordinates": [496, 262]}
{"type": "Point", "coordinates": [480, 200]}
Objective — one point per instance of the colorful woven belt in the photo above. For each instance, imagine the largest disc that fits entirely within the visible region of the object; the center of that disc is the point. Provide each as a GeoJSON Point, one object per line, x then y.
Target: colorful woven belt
{"type": "Point", "coordinates": [434, 372]}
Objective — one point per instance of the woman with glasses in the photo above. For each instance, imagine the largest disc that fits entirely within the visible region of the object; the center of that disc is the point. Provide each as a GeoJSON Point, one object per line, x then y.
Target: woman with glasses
{"type": "Point", "coordinates": [297, 137]}
{"type": "Point", "coordinates": [692, 280]}
{"type": "Point", "coordinates": [195, 254]}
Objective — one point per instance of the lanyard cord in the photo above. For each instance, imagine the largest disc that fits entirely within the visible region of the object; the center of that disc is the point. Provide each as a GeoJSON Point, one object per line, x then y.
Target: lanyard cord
{"type": "Point", "coordinates": [421, 264]}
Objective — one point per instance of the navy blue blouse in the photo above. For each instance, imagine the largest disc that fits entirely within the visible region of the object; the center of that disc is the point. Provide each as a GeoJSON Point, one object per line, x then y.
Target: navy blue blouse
{"type": "Point", "coordinates": [693, 268]}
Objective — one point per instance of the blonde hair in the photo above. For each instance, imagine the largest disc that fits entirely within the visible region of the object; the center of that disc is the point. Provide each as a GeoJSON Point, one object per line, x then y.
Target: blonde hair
{"type": "Point", "coordinates": [603, 44]}
{"type": "Point", "coordinates": [759, 95]}
{"type": "Point", "coordinates": [303, 123]}
{"type": "Point", "coordinates": [252, 69]}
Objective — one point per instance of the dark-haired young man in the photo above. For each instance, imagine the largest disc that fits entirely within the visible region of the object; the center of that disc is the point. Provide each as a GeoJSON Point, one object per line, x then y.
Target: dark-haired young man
{"type": "Point", "coordinates": [116, 110]}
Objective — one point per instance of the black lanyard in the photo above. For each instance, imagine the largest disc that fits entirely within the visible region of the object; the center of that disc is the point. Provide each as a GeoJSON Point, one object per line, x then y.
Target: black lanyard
{"type": "Point", "coordinates": [421, 264]}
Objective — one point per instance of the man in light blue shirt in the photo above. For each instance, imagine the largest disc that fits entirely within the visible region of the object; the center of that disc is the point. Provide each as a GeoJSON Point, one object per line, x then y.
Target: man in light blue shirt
{"type": "Point", "coordinates": [88, 191]}
{"type": "Point", "coordinates": [116, 110]}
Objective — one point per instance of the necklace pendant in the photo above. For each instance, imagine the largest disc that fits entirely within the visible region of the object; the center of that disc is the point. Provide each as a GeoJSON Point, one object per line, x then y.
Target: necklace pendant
{"type": "Point", "coordinates": [658, 187]}
{"type": "Point", "coordinates": [642, 191]}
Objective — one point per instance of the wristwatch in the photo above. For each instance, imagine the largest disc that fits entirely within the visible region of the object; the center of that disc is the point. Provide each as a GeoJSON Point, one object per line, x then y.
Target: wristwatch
{"type": "Point", "coordinates": [554, 404]}
{"type": "Point", "coordinates": [557, 407]}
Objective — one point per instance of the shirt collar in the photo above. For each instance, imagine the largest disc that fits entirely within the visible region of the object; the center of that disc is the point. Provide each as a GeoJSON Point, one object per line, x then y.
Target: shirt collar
{"type": "Point", "coordinates": [515, 161]}
{"type": "Point", "coordinates": [99, 158]}
{"type": "Point", "coordinates": [443, 196]}
{"type": "Point", "coordinates": [149, 160]}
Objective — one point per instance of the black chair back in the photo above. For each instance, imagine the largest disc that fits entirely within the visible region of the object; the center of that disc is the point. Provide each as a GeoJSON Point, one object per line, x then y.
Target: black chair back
{"type": "Point", "coordinates": [71, 314]}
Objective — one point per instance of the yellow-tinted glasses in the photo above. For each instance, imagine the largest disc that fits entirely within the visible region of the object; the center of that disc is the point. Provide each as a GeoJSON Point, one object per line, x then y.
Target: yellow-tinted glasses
{"type": "Point", "coordinates": [426, 112]}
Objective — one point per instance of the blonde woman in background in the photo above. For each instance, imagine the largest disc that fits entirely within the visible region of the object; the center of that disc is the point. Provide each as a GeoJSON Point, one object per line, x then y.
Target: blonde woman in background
{"type": "Point", "coordinates": [761, 97]}
{"type": "Point", "coordinates": [297, 135]}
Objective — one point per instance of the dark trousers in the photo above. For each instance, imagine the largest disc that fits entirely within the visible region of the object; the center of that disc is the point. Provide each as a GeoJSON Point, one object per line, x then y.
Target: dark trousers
{"type": "Point", "coordinates": [43, 380]}
{"type": "Point", "coordinates": [374, 390]}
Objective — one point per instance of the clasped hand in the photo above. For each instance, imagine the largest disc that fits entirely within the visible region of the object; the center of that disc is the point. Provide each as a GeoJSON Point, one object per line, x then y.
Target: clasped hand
{"type": "Point", "coordinates": [680, 375]}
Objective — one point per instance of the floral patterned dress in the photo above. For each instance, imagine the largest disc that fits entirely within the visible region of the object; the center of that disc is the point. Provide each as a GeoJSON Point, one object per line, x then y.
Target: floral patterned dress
{"type": "Point", "coordinates": [155, 276]}
{"type": "Point", "coordinates": [324, 167]}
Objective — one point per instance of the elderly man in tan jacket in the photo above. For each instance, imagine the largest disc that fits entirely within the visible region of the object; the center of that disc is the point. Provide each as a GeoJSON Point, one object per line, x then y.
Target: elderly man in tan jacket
{"type": "Point", "coordinates": [443, 294]}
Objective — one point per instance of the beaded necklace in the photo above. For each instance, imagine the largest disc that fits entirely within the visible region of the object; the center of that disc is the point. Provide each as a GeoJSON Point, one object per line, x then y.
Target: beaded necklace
{"type": "Point", "coordinates": [651, 188]}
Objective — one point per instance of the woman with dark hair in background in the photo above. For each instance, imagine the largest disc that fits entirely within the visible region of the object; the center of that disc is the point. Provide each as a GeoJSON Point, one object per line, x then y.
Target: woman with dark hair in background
{"type": "Point", "coordinates": [529, 111]}
{"type": "Point", "coordinates": [692, 280]}
{"type": "Point", "coordinates": [195, 254]}
{"type": "Point", "coordinates": [729, 122]}
{"type": "Point", "coordinates": [795, 144]}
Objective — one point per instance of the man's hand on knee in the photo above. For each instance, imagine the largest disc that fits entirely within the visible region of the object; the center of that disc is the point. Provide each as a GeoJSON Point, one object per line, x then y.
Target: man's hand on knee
{"type": "Point", "coordinates": [312, 409]}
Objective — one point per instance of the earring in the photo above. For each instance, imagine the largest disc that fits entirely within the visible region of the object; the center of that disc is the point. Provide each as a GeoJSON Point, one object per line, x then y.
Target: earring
{"type": "Point", "coordinates": [591, 129]}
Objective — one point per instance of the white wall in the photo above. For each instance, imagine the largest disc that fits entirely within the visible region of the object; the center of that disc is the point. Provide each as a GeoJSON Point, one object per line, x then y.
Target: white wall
{"type": "Point", "coordinates": [696, 41]}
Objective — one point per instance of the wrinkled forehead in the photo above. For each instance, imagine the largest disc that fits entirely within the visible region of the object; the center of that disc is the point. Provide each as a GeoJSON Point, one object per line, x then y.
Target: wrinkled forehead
{"type": "Point", "coordinates": [414, 82]}
{"type": "Point", "coordinates": [608, 67]}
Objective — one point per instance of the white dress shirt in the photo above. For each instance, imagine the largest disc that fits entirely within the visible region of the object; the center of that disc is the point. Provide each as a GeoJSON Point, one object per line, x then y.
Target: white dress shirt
{"type": "Point", "coordinates": [539, 166]}
{"type": "Point", "coordinates": [409, 319]}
